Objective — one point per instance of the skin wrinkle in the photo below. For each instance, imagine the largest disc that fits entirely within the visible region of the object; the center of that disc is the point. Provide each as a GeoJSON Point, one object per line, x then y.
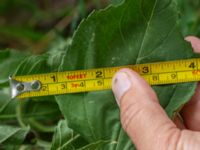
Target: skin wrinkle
{"type": "Point", "coordinates": [173, 139]}
{"type": "Point", "coordinates": [163, 133]}
{"type": "Point", "coordinates": [128, 114]}
{"type": "Point", "coordinates": [134, 110]}
{"type": "Point", "coordinates": [179, 145]}
{"type": "Point", "coordinates": [131, 115]}
{"type": "Point", "coordinates": [189, 140]}
{"type": "Point", "coordinates": [168, 133]}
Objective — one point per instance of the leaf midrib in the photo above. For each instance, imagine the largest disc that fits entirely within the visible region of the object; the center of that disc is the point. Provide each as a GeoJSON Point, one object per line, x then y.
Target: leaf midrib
{"type": "Point", "coordinates": [145, 33]}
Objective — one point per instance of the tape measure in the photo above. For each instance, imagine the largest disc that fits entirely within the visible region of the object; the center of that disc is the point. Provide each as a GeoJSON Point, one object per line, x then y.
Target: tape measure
{"type": "Point", "coordinates": [158, 73]}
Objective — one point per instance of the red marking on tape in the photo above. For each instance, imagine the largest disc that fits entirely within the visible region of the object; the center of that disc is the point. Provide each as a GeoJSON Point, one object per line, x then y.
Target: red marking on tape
{"type": "Point", "coordinates": [196, 72]}
{"type": "Point", "coordinates": [76, 76]}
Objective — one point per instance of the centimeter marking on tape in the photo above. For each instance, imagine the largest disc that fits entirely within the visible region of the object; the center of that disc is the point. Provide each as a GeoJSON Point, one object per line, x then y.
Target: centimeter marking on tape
{"type": "Point", "coordinates": [158, 73]}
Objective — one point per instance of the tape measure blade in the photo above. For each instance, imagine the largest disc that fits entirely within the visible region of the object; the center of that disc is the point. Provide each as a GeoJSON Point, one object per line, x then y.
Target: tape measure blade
{"type": "Point", "coordinates": [158, 73]}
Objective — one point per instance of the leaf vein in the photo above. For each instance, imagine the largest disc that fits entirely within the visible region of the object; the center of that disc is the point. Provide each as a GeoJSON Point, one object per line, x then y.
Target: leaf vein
{"type": "Point", "coordinates": [145, 33]}
{"type": "Point", "coordinates": [139, 58]}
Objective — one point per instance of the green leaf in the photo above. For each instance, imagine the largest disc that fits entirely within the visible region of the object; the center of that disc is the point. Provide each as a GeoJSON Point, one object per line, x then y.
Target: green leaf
{"type": "Point", "coordinates": [9, 65]}
{"type": "Point", "coordinates": [7, 107]}
{"type": "Point", "coordinates": [33, 65]}
{"type": "Point", "coordinates": [65, 138]}
{"type": "Point", "coordinates": [10, 135]}
{"type": "Point", "coordinates": [47, 62]}
{"type": "Point", "coordinates": [134, 32]}
{"type": "Point", "coordinates": [190, 19]}
{"type": "Point", "coordinates": [37, 112]}
{"type": "Point", "coordinates": [9, 60]}
{"type": "Point", "coordinates": [56, 52]}
{"type": "Point", "coordinates": [95, 146]}
{"type": "Point", "coordinates": [116, 1]}
{"type": "Point", "coordinates": [41, 114]}
{"type": "Point", "coordinates": [62, 136]}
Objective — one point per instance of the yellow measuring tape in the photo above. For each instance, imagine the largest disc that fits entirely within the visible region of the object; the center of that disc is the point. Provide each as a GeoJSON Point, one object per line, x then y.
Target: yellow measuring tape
{"type": "Point", "coordinates": [100, 79]}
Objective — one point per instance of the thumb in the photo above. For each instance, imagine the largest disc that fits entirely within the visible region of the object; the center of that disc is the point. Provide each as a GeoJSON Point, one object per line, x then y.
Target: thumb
{"type": "Point", "coordinates": [142, 117]}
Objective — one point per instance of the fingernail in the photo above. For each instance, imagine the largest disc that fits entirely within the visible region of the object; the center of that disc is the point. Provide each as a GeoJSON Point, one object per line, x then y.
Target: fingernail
{"type": "Point", "coordinates": [120, 85]}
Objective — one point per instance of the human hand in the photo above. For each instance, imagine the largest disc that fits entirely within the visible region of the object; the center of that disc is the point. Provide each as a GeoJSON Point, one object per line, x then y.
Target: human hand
{"type": "Point", "coordinates": [145, 120]}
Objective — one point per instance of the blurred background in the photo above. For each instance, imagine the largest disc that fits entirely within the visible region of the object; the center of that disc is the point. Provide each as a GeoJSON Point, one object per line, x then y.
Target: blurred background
{"type": "Point", "coordinates": [31, 25]}
{"type": "Point", "coordinates": [190, 17]}
{"type": "Point", "coordinates": [39, 26]}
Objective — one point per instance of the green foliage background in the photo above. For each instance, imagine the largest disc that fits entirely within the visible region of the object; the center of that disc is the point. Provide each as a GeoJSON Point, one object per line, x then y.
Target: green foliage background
{"type": "Point", "coordinates": [34, 36]}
